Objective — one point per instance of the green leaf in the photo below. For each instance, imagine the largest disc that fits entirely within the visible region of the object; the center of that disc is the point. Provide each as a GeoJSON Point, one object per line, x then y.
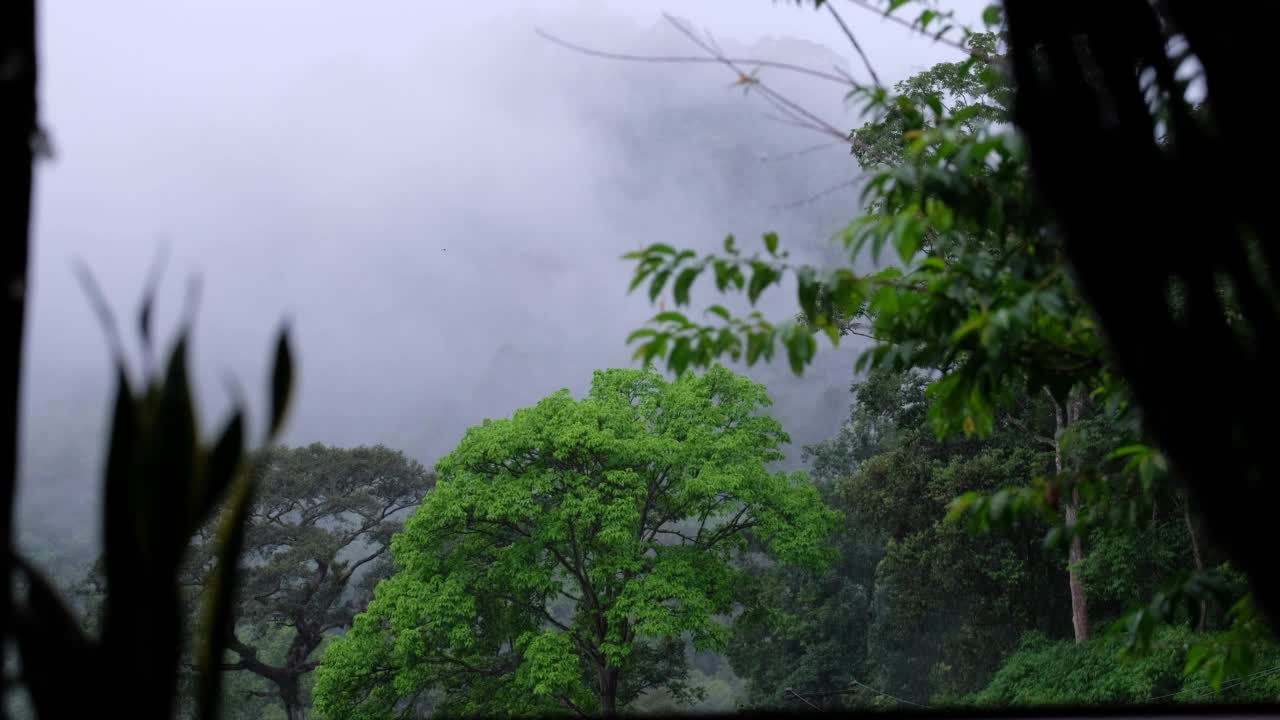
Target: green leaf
{"type": "Point", "coordinates": [755, 347]}
{"type": "Point", "coordinates": [640, 275]}
{"type": "Point", "coordinates": [641, 333]}
{"type": "Point", "coordinates": [659, 281]}
{"type": "Point", "coordinates": [908, 234]}
{"type": "Point", "coordinates": [660, 249]}
{"type": "Point", "coordinates": [729, 245]}
{"type": "Point", "coordinates": [123, 539]}
{"type": "Point", "coordinates": [681, 356]}
{"type": "Point", "coordinates": [671, 316]}
{"type": "Point", "coordinates": [219, 470]}
{"type": "Point", "coordinates": [885, 301]}
{"type": "Point", "coordinates": [172, 461]}
{"type": "Point", "coordinates": [219, 605]}
{"type": "Point", "coordinates": [992, 15]}
{"type": "Point", "coordinates": [771, 243]}
{"type": "Point", "coordinates": [800, 348]}
{"type": "Point", "coordinates": [807, 290]}
{"type": "Point", "coordinates": [970, 326]}
{"type": "Point", "coordinates": [832, 332]}
{"type": "Point", "coordinates": [761, 277]}
{"type": "Point", "coordinates": [683, 281]}
{"type": "Point", "coordinates": [720, 311]}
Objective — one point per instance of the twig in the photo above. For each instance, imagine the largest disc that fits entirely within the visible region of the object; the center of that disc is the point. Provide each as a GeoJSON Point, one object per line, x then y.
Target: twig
{"type": "Point", "coordinates": [821, 194]}
{"type": "Point", "coordinates": [791, 67]}
{"type": "Point", "coordinates": [971, 52]}
{"type": "Point", "coordinates": [803, 151]}
{"type": "Point", "coordinates": [779, 99]}
{"type": "Point", "coordinates": [856, 46]}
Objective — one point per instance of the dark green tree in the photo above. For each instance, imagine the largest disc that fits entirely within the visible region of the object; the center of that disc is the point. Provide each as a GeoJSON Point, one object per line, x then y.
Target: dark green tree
{"type": "Point", "coordinates": [317, 542]}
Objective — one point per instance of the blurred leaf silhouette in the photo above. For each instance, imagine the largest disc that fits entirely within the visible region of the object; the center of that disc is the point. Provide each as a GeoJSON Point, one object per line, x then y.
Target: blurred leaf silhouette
{"type": "Point", "coordinates": [161, 483]}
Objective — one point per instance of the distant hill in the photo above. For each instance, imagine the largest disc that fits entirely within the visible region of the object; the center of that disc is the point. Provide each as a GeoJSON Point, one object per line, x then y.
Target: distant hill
{"type": "Point", "coordinates": [446, 234]}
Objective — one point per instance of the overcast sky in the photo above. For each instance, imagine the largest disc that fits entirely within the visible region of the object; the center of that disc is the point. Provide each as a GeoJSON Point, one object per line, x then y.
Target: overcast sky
{"type": "Point", "coordinates": [436, 198]}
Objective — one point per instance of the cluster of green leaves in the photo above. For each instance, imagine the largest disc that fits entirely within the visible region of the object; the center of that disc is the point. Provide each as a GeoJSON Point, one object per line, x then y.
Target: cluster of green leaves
{"type": "Point", "coordinates": [567, 551]}
{"type": "Point", "coordinates": [978, 292]}
{"type": "Point", "coordinates": [978, 296]}
{"type": "Point", "coordinates": [161, 485]}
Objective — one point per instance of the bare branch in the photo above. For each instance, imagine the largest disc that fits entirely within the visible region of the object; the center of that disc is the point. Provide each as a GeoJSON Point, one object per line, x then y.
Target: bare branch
{"type": "Point", "coordinates": [803, 151]}
{"type": "Point", "coordinates": [677, 533]}
{"type": "Point", "coordinates": [351, 569]}
{"type": "Point", "coordinates": [249, 659]}
{"type": "Point", "coordinates": [821, 194]}
{"type": "Point", "coordinates": [844, 80]}
{"type": "Point", "coordinates": [773, 95]}
{"type": "Point", "coordinates": [856, 45]}
{"type": "Point", "coordinates": [859, 333]}
{"type": "Point", "coordinates": [794, 123]}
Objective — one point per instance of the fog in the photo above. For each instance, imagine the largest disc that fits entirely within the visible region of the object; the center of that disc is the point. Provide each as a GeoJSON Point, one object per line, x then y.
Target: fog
{"type": "Point", "coordinates": [434, 197]}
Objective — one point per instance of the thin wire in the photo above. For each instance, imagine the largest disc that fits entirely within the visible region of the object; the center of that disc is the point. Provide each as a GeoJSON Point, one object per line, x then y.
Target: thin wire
{"type": "Point", "coordinates": [856, 45]}
{"type": "Point", "coordinates": [891, 697]}
{"type": "Point", "coordinates": [1206, 691]}
{"type": "Point", "coordinates": [803, 700]}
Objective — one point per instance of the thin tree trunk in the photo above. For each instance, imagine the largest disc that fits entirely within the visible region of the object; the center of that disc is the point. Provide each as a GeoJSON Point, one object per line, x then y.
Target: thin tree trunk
{"type": "Point", "coordinates": [1075, 556]}
{"type": "Point", "coordinates": [1196, 557]}
{"type": "Point", "coordinates": [1064, 418]}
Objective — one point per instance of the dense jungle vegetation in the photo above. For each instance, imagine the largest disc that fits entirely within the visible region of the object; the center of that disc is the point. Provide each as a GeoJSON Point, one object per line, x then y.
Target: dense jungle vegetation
{"type": "Point", "coordinates": [995, 523]}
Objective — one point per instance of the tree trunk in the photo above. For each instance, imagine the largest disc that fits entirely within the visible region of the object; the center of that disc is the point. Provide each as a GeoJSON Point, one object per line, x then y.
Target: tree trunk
{"type": "Point", "coordinates": [1075, 556]}
{"type": "Point", "coordinates": [291, 695]}
{"type": "Point", "coordinates": [608, 690]}
{"type": "Point", "coordinates": [1064, 418]}
{"type": "Point", "coordinates": [1196, 557]}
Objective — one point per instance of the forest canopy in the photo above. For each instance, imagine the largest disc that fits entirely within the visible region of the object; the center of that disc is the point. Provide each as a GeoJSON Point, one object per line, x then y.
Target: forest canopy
{"type": "Point", "coordinates": [568, 551]}
{"type": "Point", "coordinates": [1015, 512]}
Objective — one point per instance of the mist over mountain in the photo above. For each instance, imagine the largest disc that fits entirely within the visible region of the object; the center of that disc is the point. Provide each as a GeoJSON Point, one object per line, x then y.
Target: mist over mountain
{"type": "Point", "coordinates": [408, 223]}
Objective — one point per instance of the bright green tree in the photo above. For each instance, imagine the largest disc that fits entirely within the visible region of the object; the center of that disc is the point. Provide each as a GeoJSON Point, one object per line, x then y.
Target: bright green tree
{"type": "Point", "coordinates": [568, 551]}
